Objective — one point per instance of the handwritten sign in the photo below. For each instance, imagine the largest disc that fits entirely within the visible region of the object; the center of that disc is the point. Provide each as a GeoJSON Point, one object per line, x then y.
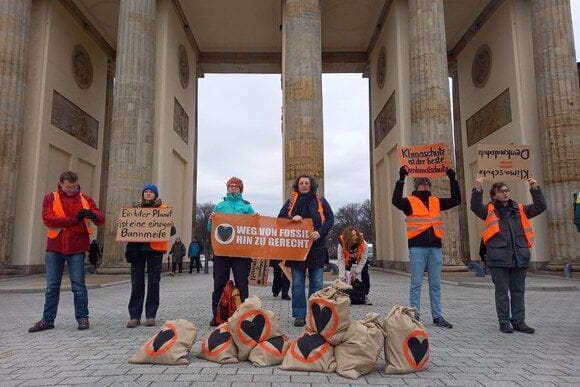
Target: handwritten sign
{"type": "Point", "coordinates": [141, 224]}
{"type": "Point", "coordinates": [504, 162]}
{"type": "Point", "coordinates": [260, 237]}
{"type": "Point", "coordinates": [259, 272]}
{"type": "Point", "coordinates": [425, 160]}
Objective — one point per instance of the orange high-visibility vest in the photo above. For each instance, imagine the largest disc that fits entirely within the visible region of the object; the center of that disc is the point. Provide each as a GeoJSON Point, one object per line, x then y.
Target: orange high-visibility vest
{"type": "Point", "coordinates": [293, 202]}
{"type": "Point", "coordinates": [422, 219]}
{"type": "Point", "coordinates": [359, 251]}
{"type": "Point", "coordinates": [491, 225]}
{"type": "Point", "coordinates": [160, 246]}
{"type": "Point", "coordinates": [59, 211]}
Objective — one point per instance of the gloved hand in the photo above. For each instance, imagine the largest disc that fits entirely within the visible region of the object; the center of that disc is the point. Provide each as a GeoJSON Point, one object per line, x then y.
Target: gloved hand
{"type": "Point", "coordinates": [84, 213]}
{"type": "Point", "coordinates": [91, 215]}
{"type": "Point", "coordinates": [451, 174]}
{"type": "Point", "coordinates": [403, 173]}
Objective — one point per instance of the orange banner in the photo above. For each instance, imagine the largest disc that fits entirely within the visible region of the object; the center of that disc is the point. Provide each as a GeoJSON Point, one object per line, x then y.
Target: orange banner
{"type": "Point", "coordinates": [425, 160]}
{"type": "Point", "coordinates": [261, 237]}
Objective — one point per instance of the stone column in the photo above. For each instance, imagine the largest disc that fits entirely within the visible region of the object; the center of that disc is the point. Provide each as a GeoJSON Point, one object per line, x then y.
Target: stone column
{"type": "Point", "coordinates": [302, 91]}
{"type": "Point", "coordinates": [14, 30]}
{"type": "Point", "coordinates": [132, 133]}
{"type": "Point", "coordinates": [559, 118]}
{"type": "Point", "coordinates": [430, 107]}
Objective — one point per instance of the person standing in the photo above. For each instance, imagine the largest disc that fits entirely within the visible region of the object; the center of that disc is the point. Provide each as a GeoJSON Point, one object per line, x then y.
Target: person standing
{"type": "Point", "coordinates": [148, 255]}
{"type": "Point", "coordinates": [353, 250]}
{"type": "Point", "coordinates": [177, 253]}
{"type": "Point", "coordinates": [280, 281]}
{"type": "Point", "coordinates": [193, 252]}
{"type": "Point", "coordinates": [68, 214]}
{"type": "Point", "coordinates": [508, 236]}
{"type": "Point", "coordinates": [94, 254]}
{"type": "Point", "coordinates": [424, 233]}
{"type": "Point", "coordinates": [305, 203]}
{"type": "Point", "coordinates": [233, 203]}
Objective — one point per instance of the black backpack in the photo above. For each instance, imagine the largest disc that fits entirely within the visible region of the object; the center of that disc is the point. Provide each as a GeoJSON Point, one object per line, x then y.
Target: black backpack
{"type": "Point", "coordinates": [357, 294]}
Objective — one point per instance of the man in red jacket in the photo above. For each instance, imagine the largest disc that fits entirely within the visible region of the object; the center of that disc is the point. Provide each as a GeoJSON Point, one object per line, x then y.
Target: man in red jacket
{"type": "Point", "coordinates": [68, 214]}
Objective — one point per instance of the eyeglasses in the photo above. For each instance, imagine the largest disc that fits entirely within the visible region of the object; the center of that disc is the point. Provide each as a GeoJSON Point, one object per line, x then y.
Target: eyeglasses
{"type": "Point", "coordinates": [503, 190]}
{"type": "Point", "coordinates": [425, 183]}
{"type": "Point", "coordinates": [232, 186]}
{"type": "Point", "coordinates": [70, 187]}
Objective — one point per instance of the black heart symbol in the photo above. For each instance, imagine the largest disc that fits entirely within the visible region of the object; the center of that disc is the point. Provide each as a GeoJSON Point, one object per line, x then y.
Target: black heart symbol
{"type": "Point", "coordinates": [162, 338]}
{"type": "Point", "coordinates": [321, 316]}
{"type": "Point", "coordinates": [225, 232]}
{"type": "Point", "coordinates": [418, 348]}
{"type": "Point", "coordinates": [255, 327]}
{"type": "Point", "coordinates": [277, 342]}
{"type": "Point", "coordinates": [217, 338]}
{"type": "Point", "coordinates": [309, 343]}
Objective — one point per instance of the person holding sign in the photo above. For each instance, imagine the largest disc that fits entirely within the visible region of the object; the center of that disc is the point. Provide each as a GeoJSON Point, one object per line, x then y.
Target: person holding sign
{"type": "Point", "coordinates": [306, 203]}
{"type": "Point", "coordinates": [150, 255]}
{"type": "Point", "coordinates": [424, 233]}
{"type": "Point", "coordinates": [233, 203]}
{"type": "Point", "coordinates": [353, 251]}
{"type": "Point", "coordinates": [68, 214]}
{"type": "Point", "coordinates": [508, 236]}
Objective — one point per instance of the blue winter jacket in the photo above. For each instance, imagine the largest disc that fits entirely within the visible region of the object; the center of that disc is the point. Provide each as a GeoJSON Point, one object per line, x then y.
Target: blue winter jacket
{"type": "Point", "coordinates": [233, 204]}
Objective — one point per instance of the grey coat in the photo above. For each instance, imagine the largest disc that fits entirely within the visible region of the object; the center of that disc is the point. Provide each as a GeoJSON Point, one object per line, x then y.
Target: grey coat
{"type": "Point", "coordinates": [509, 247]}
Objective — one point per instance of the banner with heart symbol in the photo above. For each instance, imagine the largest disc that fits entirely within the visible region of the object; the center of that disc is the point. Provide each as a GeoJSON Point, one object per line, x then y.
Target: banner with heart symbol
{"type": "Point", "coordinates": [270, 352]}
{"type": "Point", "coordinates": [219, 347]}
{"type": "Point", "coordinates": [260, 237]}
{"type": "Point", "coordinates": [310, 352]}
{"type": "Point", "coordinates": [170, 345]}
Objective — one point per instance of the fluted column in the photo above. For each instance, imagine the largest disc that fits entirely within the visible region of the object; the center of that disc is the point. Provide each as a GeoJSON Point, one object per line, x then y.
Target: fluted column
{"type": "Point", "coordinates": [14, 29]}
{"type": "Point", "coordinates": [559, 118]}
{"type": "Point", "coordinates": [131, 145]}
{"type": "Point", "coordinates": [430, 108]}
{"type": "Point", "coordinates": [302, 91]}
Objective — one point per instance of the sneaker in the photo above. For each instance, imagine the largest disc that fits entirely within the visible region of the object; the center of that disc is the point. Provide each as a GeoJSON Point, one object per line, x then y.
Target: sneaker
{"type": "Point", "coordinates": [133, 323]}
{"type": "Point", "coordinates": [286, 297]}
{"type": "Point", "coordinates": [213, 323]}
{"type": "Point", "coordinates": [299, 322]}
{"type": "Point", "coordinates": [441, 322]}
{"type": "Point", "coordinates": [83, 324]}
{"type": "Point", "coordinates": [506, 327]}
{"type": "Point", "coordinates": [150, 322]}
{"type": "Point", "coordinates": [172, 274]}
{"type": "Point", "coordinates": [522, 327]}
{"type": "Point", "coordinates": [368, 301]}
{"type": "Point", "coordinates": [40, 326]}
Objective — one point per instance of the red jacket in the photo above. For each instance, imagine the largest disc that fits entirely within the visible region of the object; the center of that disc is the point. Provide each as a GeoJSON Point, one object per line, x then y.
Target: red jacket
{"type": "Point", "coordinates": [74, 237]}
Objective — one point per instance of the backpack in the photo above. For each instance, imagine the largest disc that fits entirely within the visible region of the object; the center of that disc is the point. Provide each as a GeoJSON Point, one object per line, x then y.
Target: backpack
{"type": "Point", "coordinates": [357, 294]}
{"type": "Point", "coordinates": [229, 302]}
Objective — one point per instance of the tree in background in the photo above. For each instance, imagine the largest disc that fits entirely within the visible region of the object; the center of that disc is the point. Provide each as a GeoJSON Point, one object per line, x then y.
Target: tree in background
{"type": "Point", "coordinates": [358, 215]}
{"type": "Point", "coordinates": [202, 213]}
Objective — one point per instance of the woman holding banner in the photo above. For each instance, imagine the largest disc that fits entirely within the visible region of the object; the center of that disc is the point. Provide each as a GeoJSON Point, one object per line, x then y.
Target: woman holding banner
{"type": "Point", "coordinates": [305, 203]}
{"type": "Point", "coordinates": [139, 255]}
{"type": "Point", "coordinates": [233, 203]}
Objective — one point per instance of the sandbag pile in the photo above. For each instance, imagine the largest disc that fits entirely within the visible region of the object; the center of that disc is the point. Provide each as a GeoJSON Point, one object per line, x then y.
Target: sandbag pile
{"type": "Point", "coordinates": [170, 345]}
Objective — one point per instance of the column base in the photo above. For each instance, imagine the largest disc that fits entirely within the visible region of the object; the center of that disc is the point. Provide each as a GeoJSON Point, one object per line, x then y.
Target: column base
{"type": "Point", "coordinates": [114, 270]}
{"type": "Point", "coordinates": [453, 268]}
{"type": "Point", "coordinates": [559, 265]}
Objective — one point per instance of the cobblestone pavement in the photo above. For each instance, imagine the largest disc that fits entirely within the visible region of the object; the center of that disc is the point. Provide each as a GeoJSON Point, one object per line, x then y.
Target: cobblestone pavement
{"type": "Point", "coordinates": [473, 353]}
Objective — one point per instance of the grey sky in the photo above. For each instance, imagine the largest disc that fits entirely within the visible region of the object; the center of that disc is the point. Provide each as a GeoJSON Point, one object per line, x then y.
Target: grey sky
{"type": "Point", "coordinates": [240, 135]}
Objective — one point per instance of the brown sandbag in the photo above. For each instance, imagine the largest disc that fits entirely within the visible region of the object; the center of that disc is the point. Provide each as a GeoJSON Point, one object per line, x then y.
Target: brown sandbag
{"type": "Point", "coordinates": [359, 352]}
{"type": "Point", "coordinates": [310, 352]}
{"type": "Point", "coordinates": [219, 347]}
{"type": "Point", "coordinates": [251, 324]}
{"type": "Point", "coordinates": [328, 314]}
{"type": "Point", "coordinates": [170, 345]}
{"type": "Point", "coordinates": [407, 345]}
{"type": "Point", "coordinates": [270, 352]}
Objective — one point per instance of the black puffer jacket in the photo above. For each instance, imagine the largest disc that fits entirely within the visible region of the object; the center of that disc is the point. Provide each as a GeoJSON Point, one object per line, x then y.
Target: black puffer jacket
{"type": "Point", "coordinates": [508, 248]}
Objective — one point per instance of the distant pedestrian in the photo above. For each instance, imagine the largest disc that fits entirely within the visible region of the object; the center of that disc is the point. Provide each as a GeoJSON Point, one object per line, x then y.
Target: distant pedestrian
{"type": "Point", "coordinates": [280, 283]}
{"type": "Point", "coordinates": [193, 252]}
{"type": "Point", "coordinates": [508, 236]}
{"type": "Point", "coordinates": [94, 254]}
{"type": "Point", "coordinates": [305, 203]}
{"type": "Point", "coordinates": [68, 214]}
{"type": "Point", "coordinates": [177, 253]}
{"type": "Point", "coordinates": [148, 255]}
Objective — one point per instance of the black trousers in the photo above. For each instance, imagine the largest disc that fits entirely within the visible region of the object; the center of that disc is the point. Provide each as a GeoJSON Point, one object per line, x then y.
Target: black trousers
{"type": "Point", "coordinates": [365, 278]}
{"type": "Point", "coordinates": [512, 280]}
{"type": "Point", "coordinates": [221, 274]}
{"type": "Point", "coordinates": [280, 282]}
{"type": "Point", "coordinates": [176, 265]}
{"type": "Point", "coordinates": [153, 262]}
{"type": "Point", "coordinates": [197, 262]}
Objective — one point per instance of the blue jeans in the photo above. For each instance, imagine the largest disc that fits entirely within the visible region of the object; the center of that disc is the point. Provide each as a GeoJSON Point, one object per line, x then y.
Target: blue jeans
{"type": "Point", "coordinates": [426, 259]}
{"type": "Point", "coordinates": [298, 290]}
{"type": "Point", "coordinates": [54, 264]}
